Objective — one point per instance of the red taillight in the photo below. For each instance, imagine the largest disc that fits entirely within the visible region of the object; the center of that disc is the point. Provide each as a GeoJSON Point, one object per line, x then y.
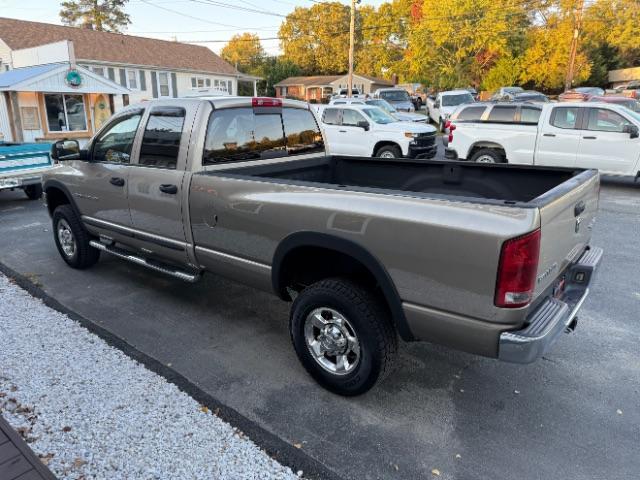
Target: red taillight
{"type": "Point", "coordinates": [266, 102]}
{"type": "Point", "coordinates": [517, 270]}
{"type": "Point", "coordinates": [451, 127]}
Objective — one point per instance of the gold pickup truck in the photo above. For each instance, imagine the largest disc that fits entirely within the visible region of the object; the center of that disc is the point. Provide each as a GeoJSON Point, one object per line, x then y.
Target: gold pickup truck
{"type": "Point", "coordinates": [489, 259]}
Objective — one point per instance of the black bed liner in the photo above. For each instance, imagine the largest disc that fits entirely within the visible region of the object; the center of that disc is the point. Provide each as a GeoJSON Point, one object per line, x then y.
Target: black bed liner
{"type": "Point", "coordinates": [520, 185]}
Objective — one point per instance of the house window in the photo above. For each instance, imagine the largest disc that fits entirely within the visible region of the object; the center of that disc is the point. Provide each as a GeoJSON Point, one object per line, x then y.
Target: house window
{"type": "Point", "coordinates": [164, 84]}
{"type": "Point", "coordinates": [216, 83]}
{"type": "Point", "coordinates": [98, 71]}
{"type": "Point", "coordinates": [207, 82]}
{"type": "Point", "coordinates": [230, 87]}
{"type": "Point", "coordinates": [65, 113]}
{"type": "Point", "coordinates": [200, 82]}
{"type": "Point", "coordinates": [132, 79]}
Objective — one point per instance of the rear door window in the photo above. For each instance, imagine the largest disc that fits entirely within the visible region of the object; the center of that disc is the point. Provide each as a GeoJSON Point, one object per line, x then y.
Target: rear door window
{"type": "Point", "coordinates": [502, 114]}
{"type": "Point", "coordinates": [331, 116]}
{"type": "Point", "coordinates": [530, 115]}
{"type": "Point", "coordinates": [471, 113]}
{"type": "Point", "coordinates": [565, 117]}
{"type": "Point", "coordinates": [236, 134]}
{"type": "Point", "coordinates": [301, 131]}
{"type": "Point", "coordinates": [161, 140]}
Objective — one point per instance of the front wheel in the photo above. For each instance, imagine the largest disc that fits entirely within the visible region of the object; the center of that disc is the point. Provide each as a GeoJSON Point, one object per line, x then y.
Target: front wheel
{"type": "Point", "coordinates": [343, 336]}
{"type": "Point", "coordinates": [33, 192]}
{"type": "Point", "coordinates": [72, 239]}
{"type": "Point", "coordinates": [389, 151]}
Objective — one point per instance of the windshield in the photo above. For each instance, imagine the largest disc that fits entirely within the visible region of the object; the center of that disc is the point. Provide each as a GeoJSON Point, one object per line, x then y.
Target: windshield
{"type": "Point", "coordinates": [383, 104]}
{"type": "Point", "coordinates": [633, 114]}
{"type": "Point", "coordinates": [531, 98]}
{"type": "Point", "coordinates": [378, 115]}
{"type": "Point", "coordinates": [457, 99]}
{"type": "Point", "coordinates": [512, 89]}
{"type": "Point", "coordinates": [632, 105]}
{"type": "Point", "coordinates": [395, 96]}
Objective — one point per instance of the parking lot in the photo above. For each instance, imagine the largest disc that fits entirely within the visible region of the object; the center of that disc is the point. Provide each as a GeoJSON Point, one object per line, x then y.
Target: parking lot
{"type": "Point", "coordinates": [573, 415]}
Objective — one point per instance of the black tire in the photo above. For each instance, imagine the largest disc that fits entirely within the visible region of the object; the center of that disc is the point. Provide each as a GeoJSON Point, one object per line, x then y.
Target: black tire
{"type": "Point", "coordinates": [418, 103]}
{"type": "Point", "coordinates": [488, 155]}
{"type": "Point", "coordinates": [84, 255]}
{"type": "Point", "coordinates": [33, 192]}
{"type": "Point", "coordinates": [371, 325]}
{"type": "Point", "coordinates": [389, 151]}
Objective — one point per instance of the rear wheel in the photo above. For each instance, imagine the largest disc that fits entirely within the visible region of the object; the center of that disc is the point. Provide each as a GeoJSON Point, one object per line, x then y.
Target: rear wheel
{"type": "Point", "coordinates": [343, 336]}
{"type": "Point", "coordinates": [488, 155]}
{"type": "Point", "coordinates": [389, 151]}
{"type": "Point", "coordinates": [34, 192]}
{"type": "Point", "coordinates": [72, 239]}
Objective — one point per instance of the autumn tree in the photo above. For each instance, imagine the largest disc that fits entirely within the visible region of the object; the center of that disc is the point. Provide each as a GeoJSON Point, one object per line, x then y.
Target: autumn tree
{"type": "Point", "coordinates": [317, 38]}
{"type": "Point", "coordinates": [273, 70]}
{"type": "Point", "coordinates": [244, 51]}
{"type": "Point", "coordinates": [102, 15]}
{"type": "Point", "coordinates": [616, 25]}
{"type": "Point", "coordinates": [456, 43]}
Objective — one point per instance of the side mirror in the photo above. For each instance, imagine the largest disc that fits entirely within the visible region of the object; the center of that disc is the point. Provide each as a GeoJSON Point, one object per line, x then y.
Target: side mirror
{"type": "Point", "coordinates": [363, 124]}
{"type": "Point", "coordinates": [632, 130]}
{"type": "Point", "coordinates": [65, 150]}
{"type": "Point", "coordinates": [437, 104]}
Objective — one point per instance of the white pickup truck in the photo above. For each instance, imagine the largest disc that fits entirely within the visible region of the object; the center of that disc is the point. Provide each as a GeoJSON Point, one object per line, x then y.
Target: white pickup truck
{"type": "Point", "coordinates": [583, 135]}
{"type": "Point", "coordinates": [440, 107]}
{"type": "Point", "coordinates": [369, 131]}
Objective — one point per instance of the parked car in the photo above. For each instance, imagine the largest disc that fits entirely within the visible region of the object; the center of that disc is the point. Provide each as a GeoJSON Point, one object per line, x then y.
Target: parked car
{"type": "Point", "coordinates": [343, 93]}
{"type": "Point", "coordinates": [369, 131]}
{"type": "Point", "coordinates": [576, 135]}
{"type": "Point", "coordinates": [384, 105]}
{"type": "Point", "coordinates": [632, 89]}
{"type": "Point", "coordinates": [398, 97]}
{"type": "Point", "coordinates": [417, 93]}
{"type": "Point", "coordinates": [22, 166]}
{"type": "Point", "coordinates": [444, 103]}
{"type": "Point", "coordinates": [630, 103]}
{"type": "Point", "coordinates": [502, 91]}
{"type": "Point", "coordinates": [580, 94]}
{"type": "Point", "coordinates": [530, 96]}
{"type": "Point", "coordinates": [493, 260]}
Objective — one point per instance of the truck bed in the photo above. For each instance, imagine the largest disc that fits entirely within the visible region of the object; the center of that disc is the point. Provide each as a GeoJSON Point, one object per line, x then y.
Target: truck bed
{"type": "Point", "coordinates": [501, 183]}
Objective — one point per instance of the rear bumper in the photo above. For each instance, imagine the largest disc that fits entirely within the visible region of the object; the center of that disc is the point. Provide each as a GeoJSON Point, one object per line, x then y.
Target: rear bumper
{"type": "Point", "coordinates": [19, 182]}
{"type": "Point", "coordinates": [553, 315]}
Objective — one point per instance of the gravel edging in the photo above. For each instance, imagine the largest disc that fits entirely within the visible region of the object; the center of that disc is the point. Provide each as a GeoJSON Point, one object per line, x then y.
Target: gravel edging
{"type": "Point", "coordinates": [109, 417]}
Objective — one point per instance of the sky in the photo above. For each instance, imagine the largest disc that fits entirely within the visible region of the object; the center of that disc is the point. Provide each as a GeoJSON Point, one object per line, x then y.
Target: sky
{"type": "Point", "coordinates": [195, 21]}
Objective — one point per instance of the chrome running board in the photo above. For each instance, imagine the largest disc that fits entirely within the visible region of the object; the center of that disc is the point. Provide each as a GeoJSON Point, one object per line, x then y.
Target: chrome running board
{"type": "Point", "coordinates": [190, 277]}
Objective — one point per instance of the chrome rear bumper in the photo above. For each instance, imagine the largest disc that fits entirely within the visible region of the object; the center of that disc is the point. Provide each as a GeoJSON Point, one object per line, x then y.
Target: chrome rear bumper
{"type": "Point", "coordinates": [553, 315]}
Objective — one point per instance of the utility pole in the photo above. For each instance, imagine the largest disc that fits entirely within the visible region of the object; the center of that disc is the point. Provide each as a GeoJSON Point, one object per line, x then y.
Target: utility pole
{"type": "Point", "coordinates": [568, 82]}
{"type": "Point", "coordinates": [352, 36]}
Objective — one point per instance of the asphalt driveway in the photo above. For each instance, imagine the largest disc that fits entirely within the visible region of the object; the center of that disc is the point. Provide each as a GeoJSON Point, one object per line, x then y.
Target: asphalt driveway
{"type": "Point", "coordinates": [573, 415]}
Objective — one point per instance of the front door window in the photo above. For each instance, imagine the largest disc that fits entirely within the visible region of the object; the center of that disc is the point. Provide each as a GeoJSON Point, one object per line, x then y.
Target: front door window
{"type": "Point", "coordinates": [115, 143]}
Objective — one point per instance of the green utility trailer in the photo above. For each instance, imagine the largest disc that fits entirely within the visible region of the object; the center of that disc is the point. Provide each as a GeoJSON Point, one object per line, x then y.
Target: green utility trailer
{"type": "Point", "coordinates": [21, 166]}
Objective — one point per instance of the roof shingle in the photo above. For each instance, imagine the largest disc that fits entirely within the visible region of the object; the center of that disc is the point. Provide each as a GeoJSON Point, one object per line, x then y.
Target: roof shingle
{"type": "Point", "coordinates": [114, 47]}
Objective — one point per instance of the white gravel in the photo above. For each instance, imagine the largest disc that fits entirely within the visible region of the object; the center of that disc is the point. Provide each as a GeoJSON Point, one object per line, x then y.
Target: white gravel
{"type": "Point", "coordinates": [91, 412]}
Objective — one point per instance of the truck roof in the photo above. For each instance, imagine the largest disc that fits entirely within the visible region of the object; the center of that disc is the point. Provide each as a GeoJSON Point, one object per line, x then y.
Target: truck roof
{"type": "Point", "coordinates": [223, 102]}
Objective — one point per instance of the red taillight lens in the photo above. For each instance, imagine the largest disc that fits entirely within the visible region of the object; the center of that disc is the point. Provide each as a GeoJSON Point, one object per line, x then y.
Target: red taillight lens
{"type": "Point", "coordinates": [266, 102]}
{"type": "Point", "coordinates": [451, 127]}
{"type": "Point", "coordinates": [517, 270]}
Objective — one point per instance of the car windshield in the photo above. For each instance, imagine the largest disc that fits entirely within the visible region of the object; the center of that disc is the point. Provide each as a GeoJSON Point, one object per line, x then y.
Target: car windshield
{"type": "Point", "coordinates": [456, 99]}
{"type": "Point", "coordinates": [395, 96]}
{"type": "Point", "coordinates": [531, 97]}
{"type": "Point", "coordinates": [594, 90]}
{"type": "Point", "coordinates": [378, 115]}
{"type": "Point", "coordinates": [512, 89]}
{"type": "Point", "coordinates": [632, 105]}
{"type": "Point", "coordinates": [633, 114]}
{"type": "Point", "coordinates": [383, 104]}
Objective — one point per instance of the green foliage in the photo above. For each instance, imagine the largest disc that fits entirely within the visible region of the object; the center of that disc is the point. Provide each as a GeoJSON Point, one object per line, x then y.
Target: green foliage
{"type": "Point", "coordinates": [506, 71]}
{"type": "Point", "coordinates": [273, 70]}
{"type": "Point", "coordinates": [102, 15]}
{"type": "Point", "coordinates": [244, 51]}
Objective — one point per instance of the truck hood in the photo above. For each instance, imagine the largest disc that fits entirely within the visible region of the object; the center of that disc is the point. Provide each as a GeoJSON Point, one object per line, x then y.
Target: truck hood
{"type": "Point", "coordinates": [410, 117]}
{"type": "Point", "coordinates": [413, 127]}
{"type": "Point", "coordinates": [404, 105]}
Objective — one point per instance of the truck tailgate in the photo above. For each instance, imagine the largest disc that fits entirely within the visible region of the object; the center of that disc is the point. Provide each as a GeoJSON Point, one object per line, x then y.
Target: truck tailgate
{"type": "Point", "coordinates": [567, 215]}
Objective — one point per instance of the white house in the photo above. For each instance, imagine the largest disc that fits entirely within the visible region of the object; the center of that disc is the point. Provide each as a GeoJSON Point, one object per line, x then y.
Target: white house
{"type": "Point", "coordinates": [60, 81]}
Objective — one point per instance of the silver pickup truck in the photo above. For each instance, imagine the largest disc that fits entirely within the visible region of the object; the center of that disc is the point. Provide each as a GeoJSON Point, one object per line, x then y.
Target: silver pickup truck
{"type": "Point", "coordinates": [489, 259]}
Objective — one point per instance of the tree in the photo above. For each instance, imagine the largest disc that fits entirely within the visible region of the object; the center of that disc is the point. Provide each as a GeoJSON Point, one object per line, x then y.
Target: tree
{"type": "Point", "coordinates": [273, 70]}
{"type": "Point", "coordinates": [102, 15]}
{"type": "Point", "coordinates": [455, 43]}
{"type": "Point", "coordinates": [244, 51]}
{"type": "Point", "coordinates": [317, 38]}
{"type": "Point", "coordinates": [506, 71]}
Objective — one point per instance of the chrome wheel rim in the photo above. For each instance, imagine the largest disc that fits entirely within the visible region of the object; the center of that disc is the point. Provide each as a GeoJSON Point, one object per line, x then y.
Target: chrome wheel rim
{"type": "Point", "coordinates": [332, 341]}
{"type": "Point", "coordinates": [66, 239]}
{"type": "Point", "coordinates": [387, 155]}
{"type": "Point", "coordinates": [485, 159]}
